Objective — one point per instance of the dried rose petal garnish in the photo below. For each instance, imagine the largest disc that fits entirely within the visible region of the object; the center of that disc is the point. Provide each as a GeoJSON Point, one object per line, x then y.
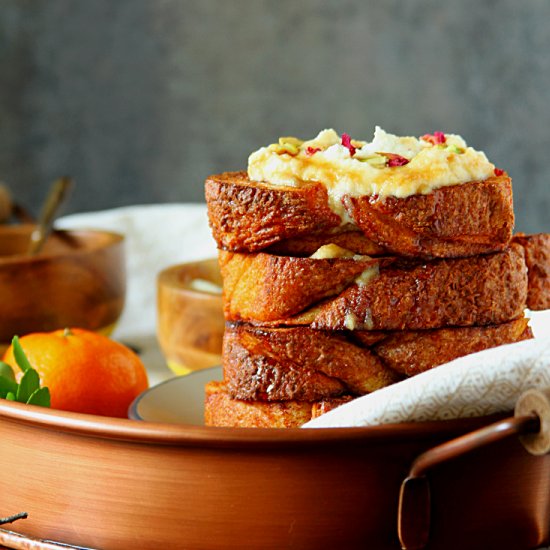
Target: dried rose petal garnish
{"type": "Point", "coordinates": [310, 151]}
{"type": "Point", "coordinates": [499, 172]}
{"type": "Point", "coordinates": [346, 142]}
{"type": "Point", "coordinates": [436, 138]}
{"type": "Point", "coordinates": [395, 160]}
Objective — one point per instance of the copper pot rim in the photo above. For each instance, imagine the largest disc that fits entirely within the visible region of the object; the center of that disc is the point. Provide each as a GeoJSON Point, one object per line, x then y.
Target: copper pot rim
{"type": "Point", "coordinates": [183, 435]}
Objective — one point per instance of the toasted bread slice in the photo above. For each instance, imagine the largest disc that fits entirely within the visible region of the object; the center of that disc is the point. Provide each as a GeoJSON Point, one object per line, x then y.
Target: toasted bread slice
{"type": "Point", "coordinates": [345, 293]}
{"type": "Point", "coordinates": [248, 217]}
{"type": "Point", "coordinates": [537, 258]}
{"type": "Point", "coordinates": [300, 363]}
{"type": "Point", "coordinates": [266, 287]}
{"type": "Point", "coordinates": [453, 221]}
{"type": "Point", "coordinates": [414, 352]}
{"type": "Point", "coordinates": [459, 220]}
{"type": "Point", "coordinates": [222, 411]}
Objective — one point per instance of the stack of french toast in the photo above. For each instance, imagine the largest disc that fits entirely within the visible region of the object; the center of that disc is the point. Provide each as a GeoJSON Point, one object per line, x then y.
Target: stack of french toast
{"type": "Point", "coordinates": [350, 265]}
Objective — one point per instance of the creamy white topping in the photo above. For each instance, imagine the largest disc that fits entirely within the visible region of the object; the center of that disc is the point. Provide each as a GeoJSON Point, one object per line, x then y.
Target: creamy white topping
{"type": "Point", "coordinates": [368, 275]}
{"type": "Point", "coordinates": [350, 321]}
{"type": "Point", "coordinates": [328, 251]}
{"type": "Point", "coordinates": [369, 168]}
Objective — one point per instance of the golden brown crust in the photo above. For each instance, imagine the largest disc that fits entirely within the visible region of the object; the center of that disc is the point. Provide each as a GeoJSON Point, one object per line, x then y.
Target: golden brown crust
{"type": "Point", "coordinates": [266, 287]}
{"type": "Point", "coordinates": [245, 216]}
{"type": "Point", "coordinates": [453, 221]}
{"type": "Point", "coordinates": [414, 352]}
{"type": "Point", "coordinates": [222, 411]}
{"type": "Point", "coordinates": [537, 258]}
{"type": "Point", "coordinates": [298, 363]}
{"type": "Point", "coordinates": [480, 290]}
{"type": "Point", "coordinates": [277, 364]}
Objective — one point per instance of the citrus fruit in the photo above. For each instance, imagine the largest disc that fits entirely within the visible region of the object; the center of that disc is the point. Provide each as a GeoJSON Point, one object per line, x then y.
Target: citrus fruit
{"type": "Point", "coordinates": [86, 372]}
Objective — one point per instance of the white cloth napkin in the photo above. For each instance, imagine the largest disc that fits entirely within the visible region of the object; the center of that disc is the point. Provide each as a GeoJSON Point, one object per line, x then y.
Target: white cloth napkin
{"type": "Point", "coordinates": [479, 384]}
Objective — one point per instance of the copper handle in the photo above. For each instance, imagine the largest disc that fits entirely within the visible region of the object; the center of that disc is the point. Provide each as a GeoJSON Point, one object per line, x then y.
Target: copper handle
{"type": "Point", "coordinates": [531, 422]}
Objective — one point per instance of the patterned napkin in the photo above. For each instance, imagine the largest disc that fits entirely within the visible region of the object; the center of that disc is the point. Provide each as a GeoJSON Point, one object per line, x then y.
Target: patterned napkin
{"type": "Point", "coordinates": [479, 384]}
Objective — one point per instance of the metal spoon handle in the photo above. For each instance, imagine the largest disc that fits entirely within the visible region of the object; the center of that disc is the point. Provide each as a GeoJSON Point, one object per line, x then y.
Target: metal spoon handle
{"type": "Point", "coordinates": [56, 197]}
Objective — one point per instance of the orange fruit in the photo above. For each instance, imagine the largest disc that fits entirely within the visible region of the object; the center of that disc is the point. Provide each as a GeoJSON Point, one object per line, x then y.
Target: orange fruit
{"type": "Point", "coordinates": [85, 371]}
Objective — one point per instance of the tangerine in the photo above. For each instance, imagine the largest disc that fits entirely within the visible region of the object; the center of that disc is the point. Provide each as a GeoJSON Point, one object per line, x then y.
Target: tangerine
{"type": "Point", "coordinates": [85, 371]}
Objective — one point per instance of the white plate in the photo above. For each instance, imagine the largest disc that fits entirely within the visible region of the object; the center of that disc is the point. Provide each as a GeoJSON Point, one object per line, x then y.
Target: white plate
{"type": "Point", "coordinates": [179, 400]}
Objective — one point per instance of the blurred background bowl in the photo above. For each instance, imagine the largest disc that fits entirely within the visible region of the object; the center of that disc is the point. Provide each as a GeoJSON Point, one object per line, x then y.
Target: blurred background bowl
{"type": "Point", "coordinates": [77, 280]}
{"type": "Point", "coordinates": [190, 321]}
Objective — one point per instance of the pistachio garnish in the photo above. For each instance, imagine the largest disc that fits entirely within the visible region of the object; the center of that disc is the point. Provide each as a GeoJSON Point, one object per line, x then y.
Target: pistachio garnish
{"type": "Point", "coordinates": [287, 148]}
{"type": "Point", "coordinates": [292, 140]}
{"type": "Point", "coordinates": [377, 160]}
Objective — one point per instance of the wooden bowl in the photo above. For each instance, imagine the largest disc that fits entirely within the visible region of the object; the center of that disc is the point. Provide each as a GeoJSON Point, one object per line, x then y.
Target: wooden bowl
{"type": "Point", "coordinates": [78, 280]}
{"type": "Point", "coordinates": [190, 321]}
{"type": "Point", "coordinates": [118, 484]}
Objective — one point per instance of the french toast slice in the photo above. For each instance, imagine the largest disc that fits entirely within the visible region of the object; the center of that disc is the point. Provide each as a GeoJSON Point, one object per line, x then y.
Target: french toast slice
{"type": "Point", "coordinates": [537, 258]}
{"type": "Point", "coordinates": [459, 220]}
{"type": "Point", "coordinates": [413, 352]}
{"type": "Point", "coordinates": [299, 363]}
{"type": "Point", "coordinates": [453, 221]}
{"type": "Point", "coordinates": [374, 294]}
{"type": "Point", "coordinates": [266, 287]}
{"type": "Point", "coordinates": [247, 217]}
{"type": "Point", "coordinates": [221, 410]}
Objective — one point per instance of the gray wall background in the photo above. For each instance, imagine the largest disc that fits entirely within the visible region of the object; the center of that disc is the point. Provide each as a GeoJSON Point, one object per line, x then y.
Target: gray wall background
{"type": "Point", "coordinates": [139, 100]}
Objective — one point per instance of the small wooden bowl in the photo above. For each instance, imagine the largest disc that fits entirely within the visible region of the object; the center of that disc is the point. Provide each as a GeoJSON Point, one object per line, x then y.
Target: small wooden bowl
{"type": "Point", "coordinates": [190, 321]}
{"type": "Point", "coordinates": [78, 280]}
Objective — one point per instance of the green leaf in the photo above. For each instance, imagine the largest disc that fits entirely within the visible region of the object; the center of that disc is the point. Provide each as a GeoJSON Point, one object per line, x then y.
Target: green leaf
{"type": "Point", "coordinates": [19, 354]}
{"type": "Point", "coordinates": [7, 385]}
{"type": "Point", "coordinates": [28, 390]}
{"type": "Point", "coordinates": [40, 397]}
{"type": "Point", "coordinates": [6, 371]}
{"type": "Point", "coordinates": [28, 385]}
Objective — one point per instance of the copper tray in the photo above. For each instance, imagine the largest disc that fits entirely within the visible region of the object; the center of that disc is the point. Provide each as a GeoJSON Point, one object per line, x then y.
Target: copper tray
{"type": "Point", "coordinates": [115, 484]}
